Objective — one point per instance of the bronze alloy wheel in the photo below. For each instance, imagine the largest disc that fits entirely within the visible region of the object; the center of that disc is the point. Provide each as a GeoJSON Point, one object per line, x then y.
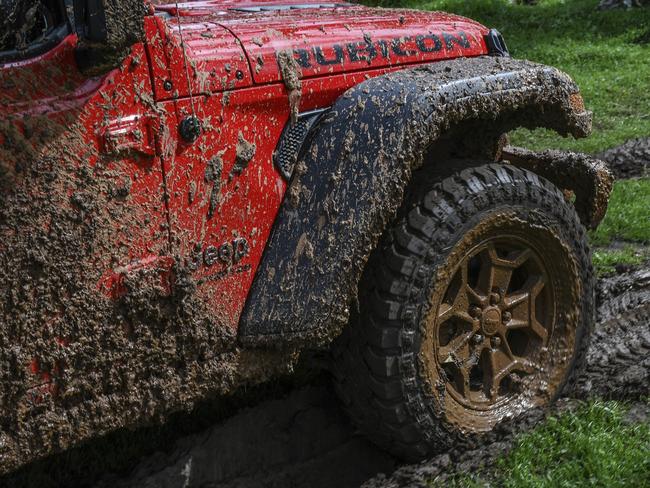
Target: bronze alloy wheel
{"type": "Point", "coordinates": [476, 306]}
{"type": "Point", "coordinates": [501, 331]}
{"type": "Point", "coordinates": [497, 312]}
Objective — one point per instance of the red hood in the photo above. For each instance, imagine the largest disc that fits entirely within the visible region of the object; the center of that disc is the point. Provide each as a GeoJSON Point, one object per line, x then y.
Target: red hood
{"type": "Point", "coordinates": [325, 38]}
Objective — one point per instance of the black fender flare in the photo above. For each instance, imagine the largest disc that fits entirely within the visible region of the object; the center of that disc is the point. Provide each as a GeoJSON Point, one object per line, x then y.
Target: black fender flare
{"type": "Point", "coordinates": [349, 181]}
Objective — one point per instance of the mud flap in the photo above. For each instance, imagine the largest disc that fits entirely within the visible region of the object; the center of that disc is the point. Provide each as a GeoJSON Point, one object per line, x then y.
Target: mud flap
{"type": "Point", "coordinates": [587, 178]}
{"type": "Point", "coordinates": [350, 181]}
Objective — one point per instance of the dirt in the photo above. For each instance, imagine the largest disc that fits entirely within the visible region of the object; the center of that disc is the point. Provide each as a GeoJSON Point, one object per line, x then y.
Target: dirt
{"type": "Point", "coordinates": [124, 27]}
{"type": "Point", "coordinates": [91, 364]}
{"type": "Point", "coordinates": [306, 440]}
{"type": "Point", "coordinates": [629, 160]}
{"type": "Point", "coordinates": [244, 152]}
{"type": "Point", "coordinates": [74, 362]}
{"type": "Point", "coordinates": [587, 178]}
{"type": "Point", "coordinates": [291, 73]}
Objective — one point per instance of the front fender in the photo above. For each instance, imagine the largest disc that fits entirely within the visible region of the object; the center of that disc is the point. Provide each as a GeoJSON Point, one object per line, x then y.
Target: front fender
{"type": "Point", "coordinates": [350, 180]}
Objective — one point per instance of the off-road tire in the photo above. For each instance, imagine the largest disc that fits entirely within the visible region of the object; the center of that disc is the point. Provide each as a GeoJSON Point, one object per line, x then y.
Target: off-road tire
{"type": "Point", "coordinates": [378, 368]}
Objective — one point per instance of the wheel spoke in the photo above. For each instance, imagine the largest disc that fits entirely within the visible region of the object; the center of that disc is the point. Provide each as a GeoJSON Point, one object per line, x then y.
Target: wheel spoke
{"type": "Point", "coordinates": [459, 303]}
{"type": "Point", "coordinates": [513, 301]}
{"type": "Point", "coordinates": [452, 351]}
{"type": "Point", "coordinates": [464, 388]}
{"type": "Point", "coordinates": [491, 297]}
{"type": "Point", "coordinates": [499, 367]}
{"type": "Point", "coordinates": [520, 258]}
{"type": "Point", "coordinates": [538, 329]}
{"type": "Point", "coordinates": [496, 272]}
{"type": "Point", "coordinates": [522, 306]}
{"type": "Point", "coordinates": [505, 347]}
{"type": "Point", "coordinates": [517, 324]}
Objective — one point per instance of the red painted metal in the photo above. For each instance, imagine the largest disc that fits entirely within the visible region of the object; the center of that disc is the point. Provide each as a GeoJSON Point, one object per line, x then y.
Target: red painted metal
{"type": "Point", "coordinates": [230, 59]}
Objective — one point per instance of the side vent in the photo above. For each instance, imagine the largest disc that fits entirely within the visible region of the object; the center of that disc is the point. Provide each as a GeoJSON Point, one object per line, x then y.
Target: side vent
{"type": "Point", "coordinates": [292, 139]}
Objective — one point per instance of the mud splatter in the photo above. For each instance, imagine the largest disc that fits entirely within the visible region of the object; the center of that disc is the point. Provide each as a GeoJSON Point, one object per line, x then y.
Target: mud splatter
{"type": "Point", "coordinates": [291, 73]}
{"type": "Point", "coordinates": [213, 175]}
{"type": "Point", "coordinates": [92, 337]}
{"type": "Point", "coordinates": [244, 153]}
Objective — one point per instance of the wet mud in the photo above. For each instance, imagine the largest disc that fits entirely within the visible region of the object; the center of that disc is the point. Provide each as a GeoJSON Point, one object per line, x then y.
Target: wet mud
{"type": "Point", "coordinates": [290, 72]}
{"type": "Point", "coordinates": [629, 160]}
{"type": "Point", "coordinates": [587, 178]}
{"type": "Point", "coordinates": [91, 339]}
{"type": "Point", "coordinates": [124, 27]}
{"type": "Point", "coordinates": [306, 440]}
{"type": "Point", "coordinates": [75, 362]}
{"type": "Point", "coordinates": [385, 126]}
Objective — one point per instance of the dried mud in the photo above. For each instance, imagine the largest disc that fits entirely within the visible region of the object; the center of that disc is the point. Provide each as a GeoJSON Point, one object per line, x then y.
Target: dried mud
{"type": "Point", "coordinates": [305, 439]}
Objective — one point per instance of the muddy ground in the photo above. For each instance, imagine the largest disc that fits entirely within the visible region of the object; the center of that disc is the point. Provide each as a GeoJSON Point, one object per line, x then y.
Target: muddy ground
{"type": "Point", "coordinates": [305, 440]}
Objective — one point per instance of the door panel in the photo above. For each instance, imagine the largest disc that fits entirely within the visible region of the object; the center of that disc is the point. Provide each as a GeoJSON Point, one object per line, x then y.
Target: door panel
{"type": "Point", "coordinates": [224, 191]}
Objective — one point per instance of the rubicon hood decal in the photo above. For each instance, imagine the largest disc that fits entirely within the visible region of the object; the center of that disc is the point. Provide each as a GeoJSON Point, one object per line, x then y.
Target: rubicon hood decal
{"type": "Point", "coordinates": [329, 39]}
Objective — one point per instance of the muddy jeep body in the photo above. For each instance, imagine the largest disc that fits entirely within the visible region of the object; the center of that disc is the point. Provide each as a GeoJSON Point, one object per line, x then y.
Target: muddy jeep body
{"type": "Point", "coordinates": [194, 217]}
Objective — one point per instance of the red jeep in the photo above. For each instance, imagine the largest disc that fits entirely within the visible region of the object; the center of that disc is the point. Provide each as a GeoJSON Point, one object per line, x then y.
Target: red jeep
{"type": "Point", "coordinates": [193, 194]}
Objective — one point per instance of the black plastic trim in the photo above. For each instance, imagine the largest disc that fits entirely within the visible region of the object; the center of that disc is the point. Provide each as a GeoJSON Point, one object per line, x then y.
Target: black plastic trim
{"type": "Point", "coordinates": [293, 138]}
{"type": "Point", "coordinates": [496, 44]}
{"type": "Point", "coordinates": [47, 42]}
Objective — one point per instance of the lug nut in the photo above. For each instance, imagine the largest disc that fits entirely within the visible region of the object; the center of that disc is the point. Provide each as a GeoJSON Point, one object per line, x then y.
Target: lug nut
{"type": "Point", "coordinates": [475, 311]}
{"type": "Point", "coordinates": [478, 338]}
{"type": "Point", "coordinates": [496, 342]}
{"type": "Point", "coordinates": [494, 298]}
{"type": "Point", "coordinates": [505, 317]}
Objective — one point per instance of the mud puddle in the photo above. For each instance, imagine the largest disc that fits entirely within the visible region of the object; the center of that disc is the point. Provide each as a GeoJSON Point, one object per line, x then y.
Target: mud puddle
{"type": "Point", "coordinates": [305, 440]}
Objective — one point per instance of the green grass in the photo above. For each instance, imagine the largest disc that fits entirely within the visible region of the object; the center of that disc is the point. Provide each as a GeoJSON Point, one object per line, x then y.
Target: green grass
{"type": "Point", "coordinates": [628, 214]}
{"type": "Point", "coordinates": [592, 446]}
{"type": "Point", "coordinates": [600, 50]}
{"type": "Point", "coordinates": [605, 260]}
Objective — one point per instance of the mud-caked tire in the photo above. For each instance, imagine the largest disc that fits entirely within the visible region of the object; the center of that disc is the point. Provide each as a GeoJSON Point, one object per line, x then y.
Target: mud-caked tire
{"type": "Point", "coordinates": [476, 305]}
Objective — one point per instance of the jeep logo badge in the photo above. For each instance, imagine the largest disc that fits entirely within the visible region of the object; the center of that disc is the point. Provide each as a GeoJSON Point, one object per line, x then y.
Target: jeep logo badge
{"type": "Point", "coordinates": [227, 253]}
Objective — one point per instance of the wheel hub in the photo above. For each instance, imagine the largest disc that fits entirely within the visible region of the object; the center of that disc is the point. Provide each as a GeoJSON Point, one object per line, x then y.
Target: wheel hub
{"type": "Point", "coordinates": [490, 320]}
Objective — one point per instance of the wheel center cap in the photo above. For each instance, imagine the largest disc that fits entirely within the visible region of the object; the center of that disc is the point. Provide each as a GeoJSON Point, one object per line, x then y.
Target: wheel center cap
{"type": "Point", "coordinates": [490, 320]}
